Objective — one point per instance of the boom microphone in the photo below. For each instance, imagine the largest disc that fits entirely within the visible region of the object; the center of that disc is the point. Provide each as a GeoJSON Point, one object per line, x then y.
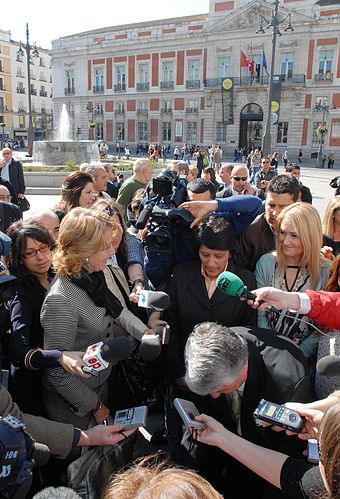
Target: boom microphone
{"type": "Point", "coordinates": [230, 284]}
{"type": "Point", "coordinates": [98, 356]}
{"type": "Point", "coordinates": [329, 366]}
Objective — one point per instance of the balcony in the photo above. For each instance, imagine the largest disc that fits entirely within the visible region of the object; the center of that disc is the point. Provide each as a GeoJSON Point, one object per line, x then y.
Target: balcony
{"type": "Point", "coordinates": [4, 109]}
{"type": "Point", "coordinates": [69, 91]}
{"type": "Point", "coordinates": [33, 91]}
{"type": "Point", "coordinates": [141, 87]}
{"type": "Point", "coordinates": [21, 90]}
{"type": "Point", "coordinates": [99, 112]}
{"type": "Point", "coordinates": [119, 112]}
{"type": "Point", "coordinates": [2, 88]}
{"type": "Point", "coordinates": [245, 81]}
{"type": "Point", "coordinates": [166, 110]}
{"type": "Point", "coordinates": [120, 87]}
{"type": "Point", "coordinates": [21, 110]}
{"type": "Point", "coordinates": [20, 75]}
{"type": "Point", "coordinates": [42, 78]}
{"type": "Point", "coordinates": [98, 89]}
{"type": "Point", "coordinates": [167, 85]}
{"type": "Point", "coordinates": [43, 93]}
{"type": "Point", "coordinates": [193, 83]}
{"type": "Point", "coordinates": [191, 110]}
{"type": "Point", "coordinates": [142, 113]}
{"type": "Point", "coordinates": [323, 78]}
{"type": "Point", "coordinates": [32, 76]}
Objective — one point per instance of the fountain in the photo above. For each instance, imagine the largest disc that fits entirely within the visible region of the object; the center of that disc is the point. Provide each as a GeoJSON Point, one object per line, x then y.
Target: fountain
{"type": "Point", "coordinates": [63, 149]}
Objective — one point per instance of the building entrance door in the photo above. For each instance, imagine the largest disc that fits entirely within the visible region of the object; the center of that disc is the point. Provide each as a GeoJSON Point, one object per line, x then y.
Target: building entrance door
{"type": "Point", "coordinates": [251, 120]}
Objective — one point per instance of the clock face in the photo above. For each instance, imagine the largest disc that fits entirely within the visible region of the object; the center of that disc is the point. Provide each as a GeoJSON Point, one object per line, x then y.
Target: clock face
{"type": "Point", "coordinates": [275, 106]}
{"type": "Point", "coordinates": [227, 84]}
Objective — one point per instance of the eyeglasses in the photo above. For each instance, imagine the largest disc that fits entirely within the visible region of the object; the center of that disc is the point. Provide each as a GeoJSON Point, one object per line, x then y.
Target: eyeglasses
{"type": "Point", "coordinates": [265, 162]}
{"type": "Point", "coordinates": [30, 253]}
{"type": "Point", "coordinates": [5, 198]}
{"type": "Point", "coordinates": [240, 178]}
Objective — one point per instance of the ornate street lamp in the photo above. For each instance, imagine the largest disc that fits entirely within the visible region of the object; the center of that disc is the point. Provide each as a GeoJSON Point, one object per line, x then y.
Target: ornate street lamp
{"type": "Point", "coordinates": [28, 48]}
{"type": "Point", "coordinates": [322, 129]}
{"type": "Point", "coordinates": [273, 22]}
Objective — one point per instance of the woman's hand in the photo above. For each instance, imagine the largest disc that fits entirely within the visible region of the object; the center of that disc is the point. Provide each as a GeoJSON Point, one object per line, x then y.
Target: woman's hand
{"type": "Point", "coordinates": [155, 320]}
{"type": "Point", "coordinates": [103, 435]}
{"type": "Point", "coordinates": [73, 363]}
{"type": "Point", "coordinates": [275, 297]}
{"type": "Point", "coordinates": [134, 295]}
{"type": "Point", "coordinates": [327, 252]}
{"type": "Point", "coordinates": [214, 432]}
{"type": "Point", "coordinates": [150, 331]}
{"type": "Point", "coordinates": [313, 420]}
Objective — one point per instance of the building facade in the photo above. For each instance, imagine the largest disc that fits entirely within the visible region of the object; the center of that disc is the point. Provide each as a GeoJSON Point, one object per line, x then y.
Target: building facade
{"type": "Point", "coordinates": [168, 81]}
{"type": "Point", "coordinates": [14, 87]}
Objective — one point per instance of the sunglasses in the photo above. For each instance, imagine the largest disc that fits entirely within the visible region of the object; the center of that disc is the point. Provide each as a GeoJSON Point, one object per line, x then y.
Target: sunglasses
{"type": "Point", "coordinates": [240, 178]}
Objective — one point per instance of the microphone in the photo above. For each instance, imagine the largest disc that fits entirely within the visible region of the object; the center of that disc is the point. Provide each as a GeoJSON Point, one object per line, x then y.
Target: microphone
{"type": "Point", "coordinates": [329, 366]}
{"type": "Point", "coordinates": [98, 356]}
{"type": "Point", "coordinates": [230, 284]}
{"type": "Point", "coordinates": [150, 347]}
{"type": "Point", "coordinates": [40, 454]}
{"type": "Point", "coordinates": [144, 216]}
{"type": "Point", "coordinates": [157, 300]}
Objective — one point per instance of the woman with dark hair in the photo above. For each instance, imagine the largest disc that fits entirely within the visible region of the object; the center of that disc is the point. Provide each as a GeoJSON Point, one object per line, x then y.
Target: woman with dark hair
{"type": "Point", "coordinates": [210, 175]}
{"type": "Point", "coordinates": [30, 262]}
{"type": "Point", "coordinates": [77, 190]}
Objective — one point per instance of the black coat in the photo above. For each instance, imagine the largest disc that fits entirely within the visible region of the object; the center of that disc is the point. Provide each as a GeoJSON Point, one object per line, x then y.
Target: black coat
{"type": "Point", "coordinates": [190, 305]}
{"type": "Point", "coordinates": [16, 177]}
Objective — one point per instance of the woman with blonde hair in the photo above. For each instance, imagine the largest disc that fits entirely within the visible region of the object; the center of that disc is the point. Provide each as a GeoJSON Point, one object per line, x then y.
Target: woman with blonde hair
{"type": "Point", "coordinates": [296, 265]}
{"type": "Point", "coordinates": [331, 221]}
{"type": "Point", "coordinates": [79, 310]}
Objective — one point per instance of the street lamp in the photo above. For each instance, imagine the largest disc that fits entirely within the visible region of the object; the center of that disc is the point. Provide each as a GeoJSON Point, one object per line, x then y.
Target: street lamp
{"type": "Point", "coordinates": [273, 22]}
{"type": "Point", "coordinates": [3, 124]}
{"type": "Point", "coordinates": [325, 108]}
{"type": "Point", "coordinates": [35, 53]}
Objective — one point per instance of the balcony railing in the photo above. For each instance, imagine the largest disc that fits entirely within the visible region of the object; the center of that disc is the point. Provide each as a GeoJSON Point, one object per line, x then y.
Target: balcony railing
{"type": "Point", "coordinates": [142, 112]}
{"type": "Point", "coordinates": [43, 93]}
{"type": "Point", "coordinates": [98, 89]}
{"type": "Point", "coordinates": [33, 77]}
{"type": "Point", "coordinates": [166, 110]}
{"type": "Point", "coordinates": [143, 86]}
{"type": "Point", "coordinates": [21, 110]}
{"type": "Point", "coordinates": [167, 85]}
{"type": "Point", "coordinates": [42, 78]}
{"type": "Point", "coordinates": [119, 112]}
{"type": "Point", "coordinates": [193, 83]}
{"type": "Point", "coordinates": [98, 112]}
{"type": "Point", "coordinates": [191, 110]}
{"type": "Point", "coordinates": [2, 88]}
{"type": "Point", "coordinates": [120, 87]}
{"type": "Point", "coordinates": [21, 90]}
{"type": "Point", "coordinates": [246, 81]}
{"type": "Point", "coordinates": [69, 91]}
{"type": "Point", "coordinates": [33, 91]}
{"type": "Point", "coordinates": [20, 75]}
{"type": "Point", "coordinates": [323, 78]}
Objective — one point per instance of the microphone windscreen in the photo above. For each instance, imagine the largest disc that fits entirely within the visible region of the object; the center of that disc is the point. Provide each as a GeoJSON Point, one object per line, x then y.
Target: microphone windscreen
{"type": "Point", "coordinates": [149, 351]}
{"type": "Point", "coordinates": [40, 454]}
{"type": "Point", "coordinates": [117, 349]}
{"type": "Point", "coordinates": [158, 300]}
{"type": "Point", "coordinates": [329, 366]}
{"type": "Point", "coordinates": [230, 284]}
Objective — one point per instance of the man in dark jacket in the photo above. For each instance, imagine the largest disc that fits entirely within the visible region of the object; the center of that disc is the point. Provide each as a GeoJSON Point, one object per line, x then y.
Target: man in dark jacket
{"type": "Point", "coordinates": [11, 170]}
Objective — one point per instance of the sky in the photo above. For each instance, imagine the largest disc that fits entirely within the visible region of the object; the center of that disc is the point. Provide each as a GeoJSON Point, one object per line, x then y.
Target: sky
{"type": "Point", "coordinates": [48, 21]}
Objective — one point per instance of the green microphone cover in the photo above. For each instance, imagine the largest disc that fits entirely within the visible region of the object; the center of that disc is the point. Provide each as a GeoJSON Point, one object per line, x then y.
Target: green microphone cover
{"type": "Point", "coordinates": [230, 284]}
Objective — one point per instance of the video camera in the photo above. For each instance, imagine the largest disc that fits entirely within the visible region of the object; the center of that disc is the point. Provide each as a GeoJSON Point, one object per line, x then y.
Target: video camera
{"type": "Point", "coordinates": [7, 286]}
{"type": "Point", "coordinates": [165, 193]}
{"type": "Point", "coordinates": [18, 454]}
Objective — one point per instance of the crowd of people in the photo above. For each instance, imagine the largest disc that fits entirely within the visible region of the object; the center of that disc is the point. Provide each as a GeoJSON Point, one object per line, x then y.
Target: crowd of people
{"type": "Point", "coordinates": [81, 267]}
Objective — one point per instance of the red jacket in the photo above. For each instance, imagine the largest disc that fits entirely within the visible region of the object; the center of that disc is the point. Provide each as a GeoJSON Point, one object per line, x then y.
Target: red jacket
{"type": "Point", "coordinates": [325, 308]}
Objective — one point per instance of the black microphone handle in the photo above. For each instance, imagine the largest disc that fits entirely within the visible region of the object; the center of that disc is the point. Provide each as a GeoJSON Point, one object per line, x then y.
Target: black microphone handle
{"type": "Point", "coordinates": [251, 296]}
{"type": "Point", "coordinates": [144, 217]}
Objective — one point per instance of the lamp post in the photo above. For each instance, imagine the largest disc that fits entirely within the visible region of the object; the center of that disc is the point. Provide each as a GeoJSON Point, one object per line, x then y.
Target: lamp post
{"type": "Point", "coordinates": [273, 22]}
{"type": "Point", "coordinates": [3, 124]}
{"type": "Point", "coordinates": [28, 48]}
{"type": "Point", "coordinates": [325, 108]}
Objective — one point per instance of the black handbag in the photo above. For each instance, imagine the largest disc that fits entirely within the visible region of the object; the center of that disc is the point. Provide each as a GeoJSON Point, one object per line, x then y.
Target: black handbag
{"type": "Point", "coordinates": [23, 204]}
{"type": "Point", "coordinates": [89, 474]}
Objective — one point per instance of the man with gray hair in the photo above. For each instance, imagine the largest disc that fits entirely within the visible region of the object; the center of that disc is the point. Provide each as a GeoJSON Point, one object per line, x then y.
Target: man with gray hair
{"type": "Point", "coordinates": [101, 178]}
{"type": "Point", "coordinates": [49, 220]}
{"type": "Point", "coordinates": [244, 365]}
{"type": "Point", "coordinates": [142, 174]}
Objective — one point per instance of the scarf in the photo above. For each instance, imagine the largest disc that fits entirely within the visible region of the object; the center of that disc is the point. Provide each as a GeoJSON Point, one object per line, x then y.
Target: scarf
{"type": "Point", "coordinates": [95, 286]}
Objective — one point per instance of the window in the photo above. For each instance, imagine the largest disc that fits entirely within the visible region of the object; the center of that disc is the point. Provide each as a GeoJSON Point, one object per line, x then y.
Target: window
{"type": "Point", "coordinates": [168, 71]}
{"type": "Point", "coordinates": [2, 84]}
{"type": "Point", "coordinates": [143, 105]}
{"type": "Point", "coordinates": [221, 132]}
{"type": "Point", "coordinates": [99, 79]}
{"type": "Point", "coordinates": [70, 81]}
{"type": "Point", "coordinates": [143, 73]}
{"type": "Point", "coordinates": [321, 101]}
{"type": "Point", "coordinates": [120, 108]}
{"type": "Point", "coordinates": [166, 131]}
{"type": "Point", "coordinates": [287, 64]}
{"type": "Point", "coordinates": [224, 69]}
{"type": "Point", "coordinates": [167, 106]}
{"type": "Point", "coordinates": [41, 62]}
{"type": "Point", "coordinates": [2, 104]}
{"type": "Point", "coordinates": [121, 75]}
{"type": "Point", "coordinates": [192, 106]}
{"type": "Point", "coordinates": [22, 122]}
{"type": "Point", "coordinates": [282, 132]}
{"type": "Point", "coordinates": [315, 138]}
{"type": "Point", "coordinates": [325, 61]}
{"type": "Point", "coordinates": [143, 132]}
{"type": "Point", "coordinates": [120, 131]}
{"type": "Point", "coordinates": [194, 69]}
{"type": "Point", "coordinates": [191, 133]}
{"type": "Point", "coordinates": [100, 131]}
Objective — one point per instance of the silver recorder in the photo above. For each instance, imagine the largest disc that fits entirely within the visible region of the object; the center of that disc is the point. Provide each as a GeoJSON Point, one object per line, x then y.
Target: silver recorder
{"type": "Point", "coordinates": [188, 412]}
{"type": "Point", "coordinates": [134, 417]}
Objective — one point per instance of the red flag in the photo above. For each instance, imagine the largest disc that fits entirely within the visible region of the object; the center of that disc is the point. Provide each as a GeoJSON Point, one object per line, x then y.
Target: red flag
{"type": "Point", "coordinates": [251, 67]}
{"type": "Point", "coordinates": [244, 61]}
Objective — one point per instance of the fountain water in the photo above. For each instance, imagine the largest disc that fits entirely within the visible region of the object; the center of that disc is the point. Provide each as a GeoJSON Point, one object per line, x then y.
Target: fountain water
{"type": "Point", "coordinates": [63, 149]}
